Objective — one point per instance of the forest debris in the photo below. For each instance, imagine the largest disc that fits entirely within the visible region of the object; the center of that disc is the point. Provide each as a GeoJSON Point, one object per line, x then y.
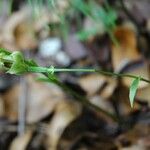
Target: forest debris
{"type": "Point", "coordinates": [109, 88]}
{"type": "Point", "coordinates": [126, 51]}
{"type": "Point", "coordinates": [141, 70]}
{"type": "Point", "coordinates": [11, 102]}
{"type": "Point", "coordinates": [143, 94]}
{"type": "Point", "coordinates": [20, 142]}
{"type": "Point", "coordinates": [92, 83]}
{"type": "Point", "coordinates": [50, 47]}
{"type": "Point", "coordinates": [140, 9]}
{"type": "Point", "coordinates": [42, 100]}
{"type": "Point", "coordinates": [62, 58]}
{"type": "Point", "coordinates": [6, 81]}
{"type": "Point", "coordinates": [18, 31]}
{"type": "Point", "coordinates": [65, 113]}
{"type": "Point", "coordinates": [89, 127]}
{"type": "Point", "coordinates": [99, 101]}
{"type": "Point", "coordinates": [25, 36]}
{"type": "Point", "coordinates": [96, 83]}
{"type": "Point", "coordinates": [135, 139]}
{"type": "Point", "coordinates": [74, 48]}
{"type": "Point", "coordinates": [2, 109]}
{"type": "Point", "coordinates": [8, 28]}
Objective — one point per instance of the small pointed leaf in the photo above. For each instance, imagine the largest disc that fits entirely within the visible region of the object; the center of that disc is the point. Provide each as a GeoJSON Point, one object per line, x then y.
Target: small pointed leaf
{"type": "Point", "coordinates": [18, 67]}
{"type": "Point", "coordinates": [133, 90]}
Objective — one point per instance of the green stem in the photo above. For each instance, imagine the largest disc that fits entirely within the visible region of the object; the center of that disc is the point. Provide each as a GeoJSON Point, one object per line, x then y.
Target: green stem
{"type": "Point", "coordinates": [113, 74]}
{"type": "Point", "coordinates": [82, 99]}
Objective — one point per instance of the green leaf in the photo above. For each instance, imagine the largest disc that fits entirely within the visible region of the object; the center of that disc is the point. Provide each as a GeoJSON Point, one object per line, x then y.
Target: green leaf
{"type": "Point", "coordinates": [31, 62]}
{"type": "Point", "coordinates": [42, 79]}
{"type": "Point", "coordinates": [85, 34]}
{"type": "Point", "coordinates": [4, 51]}
{"type": "Point", "coordinates": [51, 78]}
{"type": "Point", "coordinates": [19, 66]}
{"type": "Point", "coordinates": [133, 90]}
{"type": "Point", "coordinates": [81, 6]}
{"type": "Point", "coordinates": [2, 66]}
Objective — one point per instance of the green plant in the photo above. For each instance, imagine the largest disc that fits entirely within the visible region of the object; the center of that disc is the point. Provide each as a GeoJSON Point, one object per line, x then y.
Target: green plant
{"type": "Point", "coordinates": [105, 15]}
{"type": "Point", "coordinates": [101, 15]}
{"type": "Point", "coordinates": [15, 63]}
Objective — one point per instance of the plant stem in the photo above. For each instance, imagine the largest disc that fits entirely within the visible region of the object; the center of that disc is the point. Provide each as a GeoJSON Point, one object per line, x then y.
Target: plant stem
{"type": "Point", "coordinates": [80, 98]}
{"type": "Point", "coordinates": [107, 73]}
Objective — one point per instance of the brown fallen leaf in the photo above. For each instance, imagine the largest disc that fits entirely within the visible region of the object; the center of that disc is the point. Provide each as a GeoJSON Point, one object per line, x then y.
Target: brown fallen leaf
{"type": "Point", "coordinates": [65, 113]}
{"type": "Point", "coordinates": [143, 94]}
{"type": "Point", "coordinates": [20, 142]}
{"type": "Point", "coordinates": [11, 102]}
{"type": "Point", "coordinates": [41, 101]}
{"type": "Point", "coordinates": [19, 31]}
{"type": "Point", "coordinates": [25, 36]}
{"type": "Point", "coordinates": [108, 89]}
{"type": "Point", "coordinates": [92, 83]}
{"type": "Point", "coordinates": [135, 139]}
{"type": "Point", "coordinates": [142, 70]}
{"type": "Point", "coordinates": [126, 50]}
{"type": "Point", "coordinates": [98, 84]}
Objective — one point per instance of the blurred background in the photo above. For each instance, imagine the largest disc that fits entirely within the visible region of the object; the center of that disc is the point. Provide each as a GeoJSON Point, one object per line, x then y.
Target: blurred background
{"type": "Point", "coordinates": [112, 35]}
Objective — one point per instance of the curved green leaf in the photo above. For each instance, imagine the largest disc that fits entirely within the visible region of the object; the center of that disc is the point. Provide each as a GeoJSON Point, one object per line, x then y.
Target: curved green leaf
{"type": "Point", "coordinates": [133, 90]}
{"type": "Point", "coordinates": [18, 66]}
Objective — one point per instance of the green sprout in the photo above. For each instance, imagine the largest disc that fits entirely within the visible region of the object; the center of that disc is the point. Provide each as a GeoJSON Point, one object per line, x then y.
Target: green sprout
{"type": "Point", "coordinates": [15, 63]}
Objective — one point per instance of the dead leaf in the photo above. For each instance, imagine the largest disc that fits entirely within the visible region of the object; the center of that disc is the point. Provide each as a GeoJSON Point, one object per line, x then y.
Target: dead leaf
{"type": "Point", "coordinates": [74, 48]}
{"type": "Point", "coordinates": [20, 142]}
{"type": "Point", "coordinates": [25, 36]}
{"type": "Point", "coordinates": [143, 94]}
{"type": "Point", "coordinates": [142, 70]}
{"type": "Point", "coordinates": [42, 99]}
{"type": "Point", "coordinates": [65, 113]}
{"type": "Point", "coordinates": [126, 50]}
{"type": "Point", "coordinates": [136, 138]}
{"type": "Point", "coordinates": [11, 102]}
{"type": "Point", "coordinates": [109, 88]}
{"type": "Point", "coordinates": [91, 83]}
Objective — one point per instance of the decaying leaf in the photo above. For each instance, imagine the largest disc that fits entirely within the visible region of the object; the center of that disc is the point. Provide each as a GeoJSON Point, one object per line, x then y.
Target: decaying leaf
{"type": "Point", "coordinates": [126, 51]}
{"type": "Point", "coordinates": [24, 34]}
{"type": "Point", "coordinates": [143, 94]}
{"type": "Point", "coordinates": [135, 139]}
{"type": "Point", "coordinates": [20, 142]}
{"type": "Point", "coordinates": [141, 70]}
{"type": "Point", "coordinates": [65, 113]}
{"type": "Point", "coordinates": [19, 30]}
{"type": "Point", "coordinates": [11, 102]}
{"type": "Point", "coordinates": [92, 83]}
{"type": "Point", "coordinates": [96, 83]}
{"type": "Point", "coordinates": [41, 100]}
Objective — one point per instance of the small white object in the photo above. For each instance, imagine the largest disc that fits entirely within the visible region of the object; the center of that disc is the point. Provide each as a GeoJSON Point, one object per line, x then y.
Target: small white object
{"type": "Point", "coordinates": [50, 47]}
{"type": "Point", "coordinates": [62, 58]}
